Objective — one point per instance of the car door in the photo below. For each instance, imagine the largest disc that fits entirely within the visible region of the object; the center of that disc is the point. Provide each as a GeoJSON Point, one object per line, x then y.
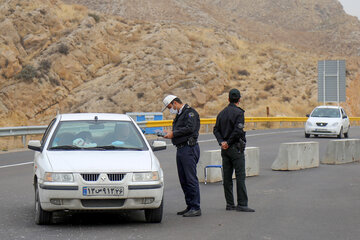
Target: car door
{"type": "Point", "coordinates": [345, 121]}
{"type": "Point", "coordinates": [39, 155]}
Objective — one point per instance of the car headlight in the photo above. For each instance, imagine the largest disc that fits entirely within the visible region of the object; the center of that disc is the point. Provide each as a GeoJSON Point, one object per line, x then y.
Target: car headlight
{"type": "Point", "coordinates": [145, 176]}
{"type": "Point", "coordinates": [59, 177]}
{"type": "Point", "coordinates": [334, 124]}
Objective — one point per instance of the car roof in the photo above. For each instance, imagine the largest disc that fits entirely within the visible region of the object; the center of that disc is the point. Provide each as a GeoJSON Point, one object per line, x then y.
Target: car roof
{"type": "Point", "coordinates": [91, 116]}
{"type": "Point", "coordinates": [336, 107]}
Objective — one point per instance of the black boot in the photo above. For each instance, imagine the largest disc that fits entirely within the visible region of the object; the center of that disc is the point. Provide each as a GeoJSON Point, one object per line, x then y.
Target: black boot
{"type": "Point", "coordinates": [193, 213]}
{"type": "Point", "coordinates": [244, 209]}
{"type": "Point", "coordinates": [183, 211]}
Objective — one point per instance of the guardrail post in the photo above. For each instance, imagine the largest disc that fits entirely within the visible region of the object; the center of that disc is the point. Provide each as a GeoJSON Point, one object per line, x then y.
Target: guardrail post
{"type": "Point", "coordinates": [24, 140]}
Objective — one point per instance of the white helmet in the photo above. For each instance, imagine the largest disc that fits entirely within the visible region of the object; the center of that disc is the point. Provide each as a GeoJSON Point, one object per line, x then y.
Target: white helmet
{"type": "Point", "coordinates": [167, 100]}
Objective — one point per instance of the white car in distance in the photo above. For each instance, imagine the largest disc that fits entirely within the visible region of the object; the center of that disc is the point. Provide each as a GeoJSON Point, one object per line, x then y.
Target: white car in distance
{"type": "Point", "coordinates": [96, 161]}
{"type": "Point", "coordinates": [327, 120]}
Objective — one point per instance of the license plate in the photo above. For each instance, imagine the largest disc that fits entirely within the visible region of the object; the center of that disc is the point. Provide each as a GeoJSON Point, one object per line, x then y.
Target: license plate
{"type": "Point", "coordinates": [320, 130]}
{"type": "Point", "coordinates": [103, 191]}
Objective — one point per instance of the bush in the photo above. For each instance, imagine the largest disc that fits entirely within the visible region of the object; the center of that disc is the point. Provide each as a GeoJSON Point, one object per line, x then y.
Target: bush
{"type": "Point", "coordinates": [243, 72]}
{"type": "Point", "coordinates": [63, 49]}
{"type": "Point", "coordinates": [27, 73]}
{"type": "Point", "coordinates": [268, 87]}
{"type": "Point", "coordinates": [54, 81]}
{"type": "Point", "coordinates": [140, 95]}
{"type": "Point", "coordinates": [95, 17]}
{"type": "Point", "coordinates": [45, 65]}
{"type": "Point", "coordinates": [286, 99]}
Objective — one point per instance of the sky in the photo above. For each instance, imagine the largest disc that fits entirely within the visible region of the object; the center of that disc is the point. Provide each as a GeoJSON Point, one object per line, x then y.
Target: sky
{"type": "Point", "coordinates": [351, 7]}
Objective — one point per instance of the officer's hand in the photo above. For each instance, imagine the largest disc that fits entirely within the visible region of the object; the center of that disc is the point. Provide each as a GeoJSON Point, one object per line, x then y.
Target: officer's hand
{"type": "Point", "coordinates": [224, 145]}
{"type": "Point", "coordinates": [169, 134]}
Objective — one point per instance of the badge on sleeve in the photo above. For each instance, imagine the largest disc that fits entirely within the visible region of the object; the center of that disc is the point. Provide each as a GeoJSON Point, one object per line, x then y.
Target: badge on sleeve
{"type": "Point", "coordinates": [191, 114]}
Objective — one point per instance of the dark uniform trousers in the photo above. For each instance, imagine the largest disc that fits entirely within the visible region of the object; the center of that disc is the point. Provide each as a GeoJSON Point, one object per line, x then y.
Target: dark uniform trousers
{"type": "Point", "coordinates": [233, 159]}
{"type": "Point", "coordinates": [186, 159]}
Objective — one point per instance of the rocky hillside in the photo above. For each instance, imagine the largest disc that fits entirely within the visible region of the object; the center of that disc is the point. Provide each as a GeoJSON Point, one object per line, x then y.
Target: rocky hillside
{"type": "Point", "coordinates": [313, 25]}
{"type": "Point", "coordinates": [65, 58]}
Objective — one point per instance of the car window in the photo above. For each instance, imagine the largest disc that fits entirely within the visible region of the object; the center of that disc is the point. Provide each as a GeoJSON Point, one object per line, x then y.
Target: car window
{"type": "Point", "coordinates": [326, 113]}
{"type": "Point", "coordinates": [108, 135]}
{"type": "Point", "coordinates": [47, 131]}
{"type": "Point", "coordinates": [343, 112]}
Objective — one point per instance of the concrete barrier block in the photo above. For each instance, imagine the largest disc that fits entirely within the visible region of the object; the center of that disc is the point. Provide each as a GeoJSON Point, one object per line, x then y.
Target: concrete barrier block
{"type": "Point", "coordinates": [213, 157]}
{"type": "Point", "coordinates": [296, 156]}
{"type": "Point", "coordinates": [342, 151]}
{"type": "Point", "coordinates": [252, 163]}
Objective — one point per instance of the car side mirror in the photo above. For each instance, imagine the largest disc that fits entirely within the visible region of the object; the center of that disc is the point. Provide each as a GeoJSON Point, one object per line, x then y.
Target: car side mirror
{"type": "Point", "coordinates": [345, 116]}
{"type": "Point", "coordinates": [158, 145]}
{"type": "Point", "coordinates": [34, 145]}
{"type": "Point", "coordinates": [308, 115]}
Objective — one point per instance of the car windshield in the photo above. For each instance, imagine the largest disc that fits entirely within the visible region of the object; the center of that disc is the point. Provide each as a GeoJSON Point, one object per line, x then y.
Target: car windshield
{"type": "Point", "coordinates": [326, 113]}
{"type": "Point", "coordinates": [97, 135]}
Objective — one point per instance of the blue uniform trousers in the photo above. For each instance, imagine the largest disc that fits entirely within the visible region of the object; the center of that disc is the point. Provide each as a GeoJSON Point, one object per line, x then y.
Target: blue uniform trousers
{"type": "Point", "coordinates": [186, 159]}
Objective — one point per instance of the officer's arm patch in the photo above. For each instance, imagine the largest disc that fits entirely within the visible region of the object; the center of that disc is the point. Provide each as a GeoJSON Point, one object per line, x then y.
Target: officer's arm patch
{"type": "Point", "coordinates": [191, 114]}
{"type": "Point", "coordinates": [240, 125]}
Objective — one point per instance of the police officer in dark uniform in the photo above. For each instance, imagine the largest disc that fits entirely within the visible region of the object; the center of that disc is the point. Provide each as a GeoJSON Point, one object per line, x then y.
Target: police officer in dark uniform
{"type": "Point", "coordinates": [184, 135]}
{"type": "Point", "coordinates": [230, 134]}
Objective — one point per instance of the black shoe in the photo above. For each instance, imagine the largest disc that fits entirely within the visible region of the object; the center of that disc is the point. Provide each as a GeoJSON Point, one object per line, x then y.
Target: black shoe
{"type": "Point", "coordinates": [230, 207]}
{"type": "Point", "coordinates": [244, 209]}
{"type": "Point", "coordinates": [193, 213]}
{"type": "Point", "coordinates": [183, 211]}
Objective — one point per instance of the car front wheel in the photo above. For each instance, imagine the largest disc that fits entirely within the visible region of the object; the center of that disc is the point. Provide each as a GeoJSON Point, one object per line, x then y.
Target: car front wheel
{"type": "Point", "coordinates": [41, 217]}
{"type": "Point", "coordinates": [346, 135]}
{"type": "Point", "coordinates": [154, 215]}
{"type": "Point", "coordinates": [307, 135]}
{"type": "Point", "coordinates": [340, 133]}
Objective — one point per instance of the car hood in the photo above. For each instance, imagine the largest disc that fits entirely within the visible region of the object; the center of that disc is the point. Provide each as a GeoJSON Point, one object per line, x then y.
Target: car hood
{"type": "Point", "coordinates": [99, 161]}
{"type": "Point", "coordinates": [324, 120]}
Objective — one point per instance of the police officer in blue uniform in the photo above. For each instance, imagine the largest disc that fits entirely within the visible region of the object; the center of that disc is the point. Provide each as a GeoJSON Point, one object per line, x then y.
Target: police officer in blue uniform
{"type": "Point", "coordinates": [230, 134]}
{"type": "Point", "coordinates": [184, 135]}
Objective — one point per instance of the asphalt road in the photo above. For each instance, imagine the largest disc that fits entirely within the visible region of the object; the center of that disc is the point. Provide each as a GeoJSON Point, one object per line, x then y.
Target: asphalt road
{"type": "Point", "coordinates": [319, 203]}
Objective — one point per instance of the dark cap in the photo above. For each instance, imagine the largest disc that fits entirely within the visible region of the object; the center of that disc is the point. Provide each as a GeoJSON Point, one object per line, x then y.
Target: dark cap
{"type": "Point", "coordinates": [234, 94]}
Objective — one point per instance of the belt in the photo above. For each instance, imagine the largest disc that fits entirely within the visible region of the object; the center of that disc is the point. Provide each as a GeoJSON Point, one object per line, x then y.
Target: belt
{"type": "Point", "coordinates": [181, 145]}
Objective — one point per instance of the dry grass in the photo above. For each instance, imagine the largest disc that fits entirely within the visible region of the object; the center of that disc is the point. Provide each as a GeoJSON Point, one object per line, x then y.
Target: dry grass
{"type": "Point", "coordinates": [201, 37]}
{"type": "Point", "coordinates": [353, 102]}
{"type": "Point", "coordinates": [9, 143]}
{"type": "Point", "coordinates": [71, 13]}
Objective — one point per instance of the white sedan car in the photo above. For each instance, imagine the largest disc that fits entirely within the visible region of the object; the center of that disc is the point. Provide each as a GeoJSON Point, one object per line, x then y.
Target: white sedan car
{"type": "Point", "coordinates": [96, 161]}
{"type": "Point", "coordinates": [327, 120]}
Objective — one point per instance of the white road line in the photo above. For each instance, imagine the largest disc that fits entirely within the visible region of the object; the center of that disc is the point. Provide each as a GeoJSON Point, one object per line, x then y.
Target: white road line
{"type": "Point", "coordinates": [261, 134]}
{"type": "Point", "coordinates": [14, 165]}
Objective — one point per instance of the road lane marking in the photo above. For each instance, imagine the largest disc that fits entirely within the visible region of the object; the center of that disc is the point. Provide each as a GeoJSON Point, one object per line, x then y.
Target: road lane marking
{"type": "Point", "coordinates": [14, 165]}
{"type": "Point", "coordinates": [260, 134]}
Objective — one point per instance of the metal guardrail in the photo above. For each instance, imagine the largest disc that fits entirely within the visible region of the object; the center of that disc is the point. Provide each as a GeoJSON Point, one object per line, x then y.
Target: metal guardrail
{"type": "Point", "coordinates": [37, 130]}
{"type": "Point", "coordinates": [20, 131]}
